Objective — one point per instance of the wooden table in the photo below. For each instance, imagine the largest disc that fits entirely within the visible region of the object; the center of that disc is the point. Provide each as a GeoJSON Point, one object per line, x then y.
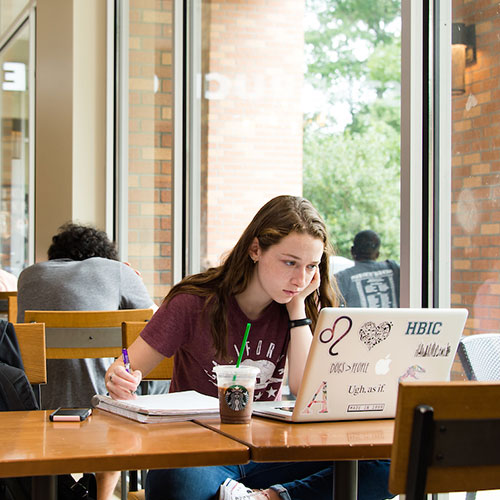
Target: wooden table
{"type": "Point", "coordinates": [31, 445]}
{"type": "Point", "coordinates": [343, 442]}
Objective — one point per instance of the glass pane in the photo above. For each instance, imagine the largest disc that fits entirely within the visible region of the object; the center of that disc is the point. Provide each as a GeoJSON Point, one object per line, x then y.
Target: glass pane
{"type": "Point", "coordinates": [150, 142]}
{"type": "Point", "coordinates": [10, 9]}
{"type": "Point", "coordinates": [251, 124]}
{"type": "Point", "coordinates": [476, 165]}
{"type": "Point", "coordinates": [14, 157]}
{"type": "Point", "coordinates": [300, 97]}
{"type": "Point", "coordinates": [352, 122]}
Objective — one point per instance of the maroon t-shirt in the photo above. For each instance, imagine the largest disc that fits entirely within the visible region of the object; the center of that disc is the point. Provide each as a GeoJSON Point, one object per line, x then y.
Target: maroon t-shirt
{"type": "Point", "coordinates": [182, 329]}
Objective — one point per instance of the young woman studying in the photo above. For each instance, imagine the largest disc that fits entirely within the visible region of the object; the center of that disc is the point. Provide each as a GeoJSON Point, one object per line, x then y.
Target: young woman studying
{"type": "Point", "coordinates": [276, 278]}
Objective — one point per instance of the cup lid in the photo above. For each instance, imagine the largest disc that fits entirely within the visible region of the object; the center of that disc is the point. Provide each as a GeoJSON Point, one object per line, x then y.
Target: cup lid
{"type": "Point", "coordinates": [241, 370]}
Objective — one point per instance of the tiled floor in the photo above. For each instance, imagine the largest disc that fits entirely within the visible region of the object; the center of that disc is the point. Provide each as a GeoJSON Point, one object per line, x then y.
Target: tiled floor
{"type": "Point", "coordinates": [480, 495]}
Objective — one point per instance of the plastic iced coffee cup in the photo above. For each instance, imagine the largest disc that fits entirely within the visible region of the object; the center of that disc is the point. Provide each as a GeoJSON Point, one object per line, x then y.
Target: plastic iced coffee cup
{"type": "Point", "coordinates": [236, 388]}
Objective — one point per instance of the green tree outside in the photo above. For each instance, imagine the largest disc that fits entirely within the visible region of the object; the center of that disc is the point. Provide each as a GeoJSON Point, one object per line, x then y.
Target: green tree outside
{"type": "Point", "coordinates": [352, 174]}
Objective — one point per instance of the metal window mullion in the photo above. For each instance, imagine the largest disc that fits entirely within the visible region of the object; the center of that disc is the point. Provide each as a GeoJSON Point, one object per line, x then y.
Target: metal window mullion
{"type": "Point", "coordinates": [178, 149]}
{"type": "Point", "coordinates": [110, 119]}
{"type": "Point", "coordinates": [411, 154]}
{"type": "Point", "coordinates": [442, 155]}
{"type": "Point", "coordinates": [193, 146]}
{"type": "Point", "coordinates": [427, 164]}
{"type": "Point", "coordinates": [31, 137]}
{"type": "Point", "coordinates": [122, 128]}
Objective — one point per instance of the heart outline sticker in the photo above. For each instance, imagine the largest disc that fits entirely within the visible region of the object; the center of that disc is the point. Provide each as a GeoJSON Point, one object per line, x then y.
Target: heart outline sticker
{"type": "Point", "coordinates": [371, 334]}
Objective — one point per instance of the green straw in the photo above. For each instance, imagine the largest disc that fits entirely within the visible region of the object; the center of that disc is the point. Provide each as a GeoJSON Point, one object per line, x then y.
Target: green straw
{"type": "Point", "coordinates": [242, 348]}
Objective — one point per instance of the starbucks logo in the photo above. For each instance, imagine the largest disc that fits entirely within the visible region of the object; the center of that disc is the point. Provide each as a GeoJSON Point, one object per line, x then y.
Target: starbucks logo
{"type": "Point", "coordinates": [236, 397]}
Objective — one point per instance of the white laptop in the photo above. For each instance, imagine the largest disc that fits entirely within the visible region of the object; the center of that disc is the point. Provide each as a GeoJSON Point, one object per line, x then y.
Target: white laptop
{"type": "Point", "coordinates": [359, 355]}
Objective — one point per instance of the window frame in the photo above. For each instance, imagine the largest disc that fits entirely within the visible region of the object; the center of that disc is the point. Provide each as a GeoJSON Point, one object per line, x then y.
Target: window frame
{"type": "Point", "coordinates": [26, 17]}
{"type": "Point", "coordinates": [426, 154]}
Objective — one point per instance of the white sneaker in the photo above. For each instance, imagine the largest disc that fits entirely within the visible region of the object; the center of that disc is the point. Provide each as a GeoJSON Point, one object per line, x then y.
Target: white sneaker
{"type": "Point", "coordinates": [229, 488]}
{"type": "Point", "coordinates": [232, 490]}
{"type": "Point", "coordinates": [222, 489]}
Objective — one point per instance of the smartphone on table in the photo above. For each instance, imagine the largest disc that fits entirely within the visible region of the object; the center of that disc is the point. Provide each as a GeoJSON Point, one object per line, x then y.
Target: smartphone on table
{"type": "Point", "coordinates": [70, 414]}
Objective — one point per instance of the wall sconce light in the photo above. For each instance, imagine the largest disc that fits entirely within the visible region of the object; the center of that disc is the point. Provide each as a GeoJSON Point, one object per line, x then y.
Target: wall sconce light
{"type": "Point", "coordinates": [463, 53]}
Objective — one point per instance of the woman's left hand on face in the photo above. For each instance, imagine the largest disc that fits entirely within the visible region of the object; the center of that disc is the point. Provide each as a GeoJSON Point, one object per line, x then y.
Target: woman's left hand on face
{"type": "Point", "coordinates": [313, 285]}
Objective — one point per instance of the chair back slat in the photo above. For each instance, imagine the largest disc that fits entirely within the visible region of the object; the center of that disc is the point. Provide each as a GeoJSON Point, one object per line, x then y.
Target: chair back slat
{"type": "Point", "coordinates": [12, 308]}
{"type": "Point", "coordinates": [164, 370]}
{"type": "Point", "coordinates": [470, 405]}
{"type": "Point", "coordinates": [8, 305]}
{"type": "Point", "coordinates": [109, 336]}
{"type": "Point", "coordinates": [85, 334]}
{"type": "Point", "coordinates": [31, 339]}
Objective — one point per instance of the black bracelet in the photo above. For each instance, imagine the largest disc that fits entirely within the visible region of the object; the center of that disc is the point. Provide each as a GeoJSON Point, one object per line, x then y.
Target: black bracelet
{"type": "Point", "coordinates": [298, 322]}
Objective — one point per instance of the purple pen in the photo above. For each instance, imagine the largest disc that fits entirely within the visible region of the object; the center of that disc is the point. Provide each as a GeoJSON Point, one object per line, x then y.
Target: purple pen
{"type": "Point", "coordinates": [126, 361]}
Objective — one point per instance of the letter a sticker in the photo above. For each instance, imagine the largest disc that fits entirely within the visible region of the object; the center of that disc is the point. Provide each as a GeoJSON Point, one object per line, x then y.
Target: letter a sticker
{"type": "Point", "coordinates": [320, 397]}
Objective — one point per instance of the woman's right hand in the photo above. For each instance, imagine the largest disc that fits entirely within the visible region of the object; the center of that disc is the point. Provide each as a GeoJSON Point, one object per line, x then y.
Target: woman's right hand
{"type": "Point", "coordinates": [120, 383]}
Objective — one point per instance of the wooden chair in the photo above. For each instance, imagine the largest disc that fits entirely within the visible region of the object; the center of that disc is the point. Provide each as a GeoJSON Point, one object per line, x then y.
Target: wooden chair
{"type": "Point", "coordinates": [164, 371]}
{"type": "Point", "coordinates": [85, 334]}
{"type": "Point", "coordinates": [8, 305]}
{"type": "Point", "coordinates": [137, 495]}
{"type": "Point", "coordinates": [31, 339]}
{"type": "Point", "coordinates": [130, 331]}
{"type": "Point", "coordinates": [446, 438]}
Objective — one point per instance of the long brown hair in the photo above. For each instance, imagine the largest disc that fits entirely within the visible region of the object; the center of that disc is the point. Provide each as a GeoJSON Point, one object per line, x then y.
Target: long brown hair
{"type": "Point", "coordinates": [276, 219]}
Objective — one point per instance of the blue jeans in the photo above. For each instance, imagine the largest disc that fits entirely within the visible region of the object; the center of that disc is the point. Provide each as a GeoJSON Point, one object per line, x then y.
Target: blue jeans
{"type": "Point", "coordinates": [292, 480]}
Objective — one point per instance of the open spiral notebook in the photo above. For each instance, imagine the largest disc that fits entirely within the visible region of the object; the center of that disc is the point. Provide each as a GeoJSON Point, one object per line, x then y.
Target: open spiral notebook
{"type": "Point", "coordinates": [156, 408]}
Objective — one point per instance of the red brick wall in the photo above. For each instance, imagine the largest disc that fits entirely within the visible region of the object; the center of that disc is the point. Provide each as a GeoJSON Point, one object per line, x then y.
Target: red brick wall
{"type": "Point", "coordinates": [251, 130]}
{"type": "Point", "coordinates": [150, 142]}
{"type": "Point", "coordinates": [253, 55]}
{"type": "Point", "coordinates": [476, 179]}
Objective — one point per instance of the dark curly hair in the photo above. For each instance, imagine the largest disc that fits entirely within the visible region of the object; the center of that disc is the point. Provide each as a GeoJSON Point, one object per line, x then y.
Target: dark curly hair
{"type": "Point", "coordinates": [77, 242]}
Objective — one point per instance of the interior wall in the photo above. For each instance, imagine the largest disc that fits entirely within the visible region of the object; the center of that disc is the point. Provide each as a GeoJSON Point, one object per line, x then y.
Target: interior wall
{"type": "Point", "coordinates": [89, 111]}
{"type": "Point", "coordinates": [69, 116]}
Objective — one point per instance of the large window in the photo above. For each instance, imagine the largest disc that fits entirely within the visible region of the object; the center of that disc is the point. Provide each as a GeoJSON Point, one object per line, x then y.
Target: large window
{"type": "Point", "coordinates": [15, 151]}
{"type": "Point", "coordinates": [352, 118]}
{"type": "Point", "coordinates": [147, 141]}
{"type": "Point", "coordinates": [276, 98]}
{"type": "Point", "coordinates": [248, 95]}
{"type": "Point", "coordinates": [295, 97]}
{"type": "Point", "coordinates": [10, 10]}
